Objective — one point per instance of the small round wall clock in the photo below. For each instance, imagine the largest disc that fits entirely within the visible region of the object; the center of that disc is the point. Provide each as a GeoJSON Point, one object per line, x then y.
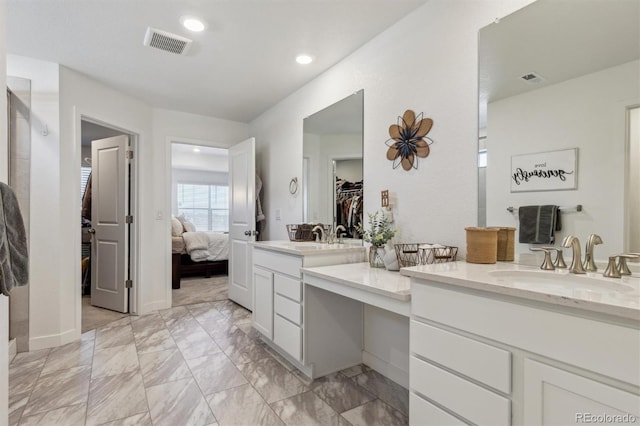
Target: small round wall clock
{"type": "Point", "coordinates": [409, 140]}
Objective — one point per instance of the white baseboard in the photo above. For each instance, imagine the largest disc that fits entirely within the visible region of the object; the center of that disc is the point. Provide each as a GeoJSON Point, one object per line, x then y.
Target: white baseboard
{"type": "Point", "coordinates": [388, 370]}
{"type": "Point", "coordinates": [13, 349]}
{"type": "Point", "coordinates": [53, 340]}
{"type": "Point", "coordinates": [153, 306]}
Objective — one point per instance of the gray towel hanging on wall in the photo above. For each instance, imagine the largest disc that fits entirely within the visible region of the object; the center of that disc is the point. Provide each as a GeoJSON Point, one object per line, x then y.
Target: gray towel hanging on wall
{"type": "Point", "coordinates": [538, 224]}
{"type": "Point", "coordinates": [14, 256]}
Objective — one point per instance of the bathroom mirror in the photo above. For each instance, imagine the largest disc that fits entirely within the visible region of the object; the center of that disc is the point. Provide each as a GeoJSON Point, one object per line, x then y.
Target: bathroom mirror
{"type": "Point", "coordinates": [559, 75]}
{"type": "Point", "coordinates": [332, 185]}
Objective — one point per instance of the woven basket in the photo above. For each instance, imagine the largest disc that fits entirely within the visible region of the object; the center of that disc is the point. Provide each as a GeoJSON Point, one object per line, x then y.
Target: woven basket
{"type": "Point", "coordinates": [506, 243]}
{"type": "Point", "coordinates": [482, 245]}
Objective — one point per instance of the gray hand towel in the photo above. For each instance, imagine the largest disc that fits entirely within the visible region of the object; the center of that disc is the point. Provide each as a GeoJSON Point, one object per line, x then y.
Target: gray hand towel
{"type": "Point", "coordinates": [14, 257]}
{"type": "Point", "coordinates": [538, 224]}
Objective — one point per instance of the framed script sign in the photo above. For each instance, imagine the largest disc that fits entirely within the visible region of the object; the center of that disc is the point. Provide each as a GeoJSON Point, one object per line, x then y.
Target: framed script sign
{"type": "Point", "coordinates": [545, 171]}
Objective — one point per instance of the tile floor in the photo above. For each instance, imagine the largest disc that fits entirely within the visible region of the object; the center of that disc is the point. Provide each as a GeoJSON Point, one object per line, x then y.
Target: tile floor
{"type": "Point", "coordinates": [199, 364]}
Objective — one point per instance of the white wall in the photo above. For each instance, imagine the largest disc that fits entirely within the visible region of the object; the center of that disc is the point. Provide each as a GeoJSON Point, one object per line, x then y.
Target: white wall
{"type": "Point", "coordinates": [580, 113]}
{"type": "Point", "coordinates": [44, 255]}
{"type": "Point", "coordinates": [426, 62]}
{"type": "Point", "coordinates": [4, 168]}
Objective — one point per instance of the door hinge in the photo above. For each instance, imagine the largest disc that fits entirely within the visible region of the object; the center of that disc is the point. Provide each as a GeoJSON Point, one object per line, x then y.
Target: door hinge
{"type": "Point", "coordinates": [128, 219]}
{"type": "Point", "coordinates": [129, 154]}
{"type": "Point", "coordinates": [128, 284]}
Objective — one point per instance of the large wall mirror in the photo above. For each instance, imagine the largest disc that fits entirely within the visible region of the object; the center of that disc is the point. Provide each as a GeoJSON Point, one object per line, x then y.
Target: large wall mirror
{"type": "Point", "coordinates": [332, 165]}
{"type": "Point", "coordinates": [559, 75]}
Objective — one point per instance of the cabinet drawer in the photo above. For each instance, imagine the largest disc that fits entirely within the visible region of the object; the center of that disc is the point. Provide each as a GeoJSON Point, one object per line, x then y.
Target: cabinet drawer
{"type": "Point", "coordinates": [279, 262]}
{"type": "Point", "coordinates": [470, 401]}
{"type": "Point", "coordinates": [288, 336]}
{"type": "Point", "coordinates": [288, 309]}
{"type": "Point", "coordinates": [479, 361]}
{"type": "Point", "coordinates": [288, 287]}
{"type": "Point", "coordinates": [424, 413]}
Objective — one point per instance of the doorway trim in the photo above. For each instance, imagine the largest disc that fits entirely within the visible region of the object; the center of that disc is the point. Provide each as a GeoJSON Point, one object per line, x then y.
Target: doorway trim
{"type": "Point", "coordinates": [134, 299]}
{"type": "Point", "coordinates": [167, 202]}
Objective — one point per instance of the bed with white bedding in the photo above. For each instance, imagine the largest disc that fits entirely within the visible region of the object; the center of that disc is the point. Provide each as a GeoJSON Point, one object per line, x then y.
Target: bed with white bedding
{"type": "Point", "coordinates": [199, 254]}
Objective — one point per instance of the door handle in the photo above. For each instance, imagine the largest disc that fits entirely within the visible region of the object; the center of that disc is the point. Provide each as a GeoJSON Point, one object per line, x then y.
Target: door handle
{"type": "Point", "coordinates": [247, 233]}
{"type": "Point", "coordinates": [91, 231]}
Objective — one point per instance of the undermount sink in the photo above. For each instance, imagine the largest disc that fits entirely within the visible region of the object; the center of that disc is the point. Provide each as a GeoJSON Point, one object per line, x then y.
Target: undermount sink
{"type": "Point", "coordinates": [564, 281]}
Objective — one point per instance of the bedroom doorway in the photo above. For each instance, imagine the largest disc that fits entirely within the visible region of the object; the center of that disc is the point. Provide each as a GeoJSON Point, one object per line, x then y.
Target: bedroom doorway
{"type": "Point", "coordinates": [105, 176]}
{"type": "Point", "coordinates": [200, 222]}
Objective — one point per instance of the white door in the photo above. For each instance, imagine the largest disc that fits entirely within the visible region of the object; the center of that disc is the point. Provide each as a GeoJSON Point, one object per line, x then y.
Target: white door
{"type": "Point", "coordinates": [242, 221]}
{"type": "Point", "coordinates": [109, 210]}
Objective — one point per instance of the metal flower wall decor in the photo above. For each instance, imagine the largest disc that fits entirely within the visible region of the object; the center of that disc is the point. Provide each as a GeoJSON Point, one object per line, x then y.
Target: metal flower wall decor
{"type": "Point", "coordinates": [408, 140]}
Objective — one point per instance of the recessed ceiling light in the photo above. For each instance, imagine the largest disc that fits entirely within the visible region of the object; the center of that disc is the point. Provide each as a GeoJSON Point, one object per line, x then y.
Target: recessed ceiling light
{"type": "Point", "coordinates": [192, 24]}
{"type": "Point", "coordinates": [304, 59]}
{"type": "Point", "coordinates": [196, 149]}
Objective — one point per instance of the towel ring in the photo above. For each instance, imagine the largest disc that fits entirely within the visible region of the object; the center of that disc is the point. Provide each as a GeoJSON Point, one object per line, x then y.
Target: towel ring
{"type": "Point", "coordinates": [293, 186]}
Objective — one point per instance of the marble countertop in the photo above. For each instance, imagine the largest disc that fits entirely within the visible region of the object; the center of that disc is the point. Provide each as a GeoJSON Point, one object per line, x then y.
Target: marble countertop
{"type": "Point", "coordinates": [592, 292]}
{"type": "Point", "coordinates": [361, 276]}
{"type": "Point", "coordinates": [303, 248]}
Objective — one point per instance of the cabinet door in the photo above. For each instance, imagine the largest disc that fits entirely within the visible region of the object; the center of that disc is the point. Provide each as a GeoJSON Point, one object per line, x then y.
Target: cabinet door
{"type": "Point", "coordinates": [263, 301]}
{"type": "Point", "coordinates": [557, 397]}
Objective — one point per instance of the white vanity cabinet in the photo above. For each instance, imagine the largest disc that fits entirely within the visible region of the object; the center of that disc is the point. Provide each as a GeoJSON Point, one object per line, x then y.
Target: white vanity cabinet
{"type": "Point", "coordinates": [278, 312]}
{"type": "Point", "coordinates": [488, 359]}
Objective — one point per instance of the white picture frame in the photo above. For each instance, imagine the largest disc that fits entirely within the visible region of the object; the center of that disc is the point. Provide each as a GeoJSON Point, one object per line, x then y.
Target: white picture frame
{"type": "Point", "coordinates": [545, 171]}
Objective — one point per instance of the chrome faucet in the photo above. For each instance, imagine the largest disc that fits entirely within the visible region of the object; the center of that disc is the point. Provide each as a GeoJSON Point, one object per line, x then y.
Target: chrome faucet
{"type": "Point", "coordinates": [319, 231]}
{"type": "Point", "coordinates": [576, 261]}
{"type": "Point", "coordinates": [589, 263]}
{"type": "Point", "coordinates": [339, 234]}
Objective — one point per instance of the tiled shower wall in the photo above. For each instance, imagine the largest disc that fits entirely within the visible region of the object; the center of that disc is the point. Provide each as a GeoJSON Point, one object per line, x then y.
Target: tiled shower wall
{"type": "Point", "coordinates": [19, 180]}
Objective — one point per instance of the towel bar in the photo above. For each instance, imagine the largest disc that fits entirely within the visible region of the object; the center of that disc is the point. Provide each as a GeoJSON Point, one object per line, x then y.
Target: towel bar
{"type": "Point", "coordinates": [577, 208]}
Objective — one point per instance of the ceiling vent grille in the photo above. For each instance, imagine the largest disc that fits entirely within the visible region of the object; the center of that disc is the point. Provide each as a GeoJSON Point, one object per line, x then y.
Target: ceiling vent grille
{"type": "Point", "coordinates": [532, 78]}
{"type": "Point", "coordinates": [167, 41]}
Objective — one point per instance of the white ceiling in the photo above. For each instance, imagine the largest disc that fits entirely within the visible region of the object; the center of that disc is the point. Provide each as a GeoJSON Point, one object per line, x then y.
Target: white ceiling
{"type": "Point", "coordinates": [558, 39]}
{"type": "Point", "coordinates": [242, 64]}
{"type": "Point", "coordinates": [207, 158]}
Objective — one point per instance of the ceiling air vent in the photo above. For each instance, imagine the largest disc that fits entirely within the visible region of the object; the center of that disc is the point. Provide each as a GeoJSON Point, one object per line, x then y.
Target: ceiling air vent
{"type": "Point", "coordinates": [166, 41]}
{"type": "Point", "coordinates": [532, 77]}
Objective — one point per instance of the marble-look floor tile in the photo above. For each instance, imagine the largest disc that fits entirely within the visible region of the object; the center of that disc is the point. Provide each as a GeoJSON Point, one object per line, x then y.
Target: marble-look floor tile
{"type": "Point", "coordinates": [34, 357]}
{"type": "Point", "coordinates": [71, 355]}
{"type": "Point", "coordinates": [203, 312]}
{"type": "Point", "coordinates": [272, 380]}
{"type": "Point", "coordinates": [228, 337]}
{"type": "Point", "coordinates": [196, 345]}
{"type": "Point", "coordinates": [114, 336]}
{"type": "Point", "coordinates": [248, 351]}
{"type": "Point", "coordinates": [163, 367]}
{"type": "Point", "coordinates": [116, 397]}
{"type": "Point", "coordinates": [149, 322]}
{"type": "Point", "coordinates": [59, 389]}
{"type": "Point", "coordinates": [184, 327]}
{"type": "Point", "coordinates": [114, 361]}
{"type": "Point", "coordinates": [153, 340]}
{"type": "Point", "coordinates": [178, 403]}
{"type": "Point", "coordinates": [172, 314]}
{"type": "Point", "coordinates": [240, 406]}
{"type": "Point", "coordinates": [196, 290]}
{"type": "Point", "coordinates": [215, 373]}
{"type": "Point", "coordinates": [88, 335]}
{"type": "Point", "coordinates": [143, 419]}
{"type": "Point", "coordinates": [385, 389]}
{"type": "Point", "coordinates": [355, 370]}
{"type": "Point", "coordinates": [24, 375]}
{"type": "Point", "coordinates": [94, 317]}
{"type": "Point", "coordinates": [375, 413]}
{"type": "Point", "coordinates": [340, 392]}
{"type": "Point", "coordinates": [306, 409]}
{"type": "Point", "coordinates": [73, 415]}
{"type": "Point", "coordinates": [17, 402]}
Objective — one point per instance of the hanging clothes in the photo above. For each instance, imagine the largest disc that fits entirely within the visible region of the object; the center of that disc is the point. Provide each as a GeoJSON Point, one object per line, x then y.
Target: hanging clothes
{"type": "Point", "coordinates": [14, 256]}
